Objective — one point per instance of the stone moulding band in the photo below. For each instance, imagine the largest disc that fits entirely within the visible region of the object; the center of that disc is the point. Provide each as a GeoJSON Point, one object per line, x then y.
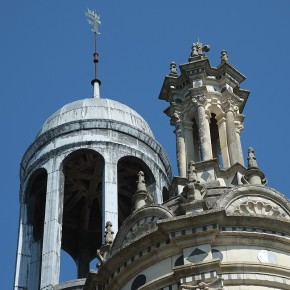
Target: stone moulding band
{"type": "Point", "coordinates": [64, 129]}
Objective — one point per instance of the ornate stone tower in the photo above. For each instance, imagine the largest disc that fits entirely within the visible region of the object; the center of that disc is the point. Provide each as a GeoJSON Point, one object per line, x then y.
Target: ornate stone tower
{"type": "Point", "coordinates": [78, 183]}
{"type": "Point", "coordinates": [222, 228]}
{"type": "Point", "coordinates": [206, 106]}
{"type": "Point", "coordinates": [79, 174]}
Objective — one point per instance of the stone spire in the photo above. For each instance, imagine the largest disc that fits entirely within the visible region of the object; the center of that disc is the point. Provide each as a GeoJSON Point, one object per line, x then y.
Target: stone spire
{"type": "Point", "coordinates": [253, 174]}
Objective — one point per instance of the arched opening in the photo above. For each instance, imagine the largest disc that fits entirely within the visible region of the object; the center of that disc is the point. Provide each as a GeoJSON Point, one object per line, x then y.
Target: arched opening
{"type": "Point", "coordinates": [35, 198]}
{"type": "Point", "coordinates": [68, 267]}
{"type": "Point", "coordinates": [82, 211]}
{"type": "Point", "coordinates": [128, 168]}
{"type": "Point", "coordinates": [165, 194]}
{"type": "Point", "coordinates": [139, 281]}
{"type": "Point", "coordinates": [196, 142]}
{"type": "Point", "coordinates": [215, 140]}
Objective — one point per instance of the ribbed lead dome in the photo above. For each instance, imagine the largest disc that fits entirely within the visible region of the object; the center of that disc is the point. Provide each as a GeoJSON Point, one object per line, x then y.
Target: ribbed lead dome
{"type": "Point", "coordinates": [103, 109]}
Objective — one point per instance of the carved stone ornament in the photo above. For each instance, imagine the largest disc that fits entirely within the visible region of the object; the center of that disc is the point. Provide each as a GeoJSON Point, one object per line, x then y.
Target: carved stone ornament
{"type": "Point", "coordinates": [140, 230]}
{"type": "Point", "coordinates": [175, 118]}
{"type": "Point", "coordinates": [197, 51]}
{"type": "Point", "coordinates": [239, 127]}
{"type": "Point", "coordinates": [253, 174]}
{"type": "Point", "coordinates": [104, 252]}
{"type": "Point", "coordinates": [199, 100]}
{"type": "Point", "coordinates": [193, 190]}
{"type": "Point", "coordinates": [173, 69]}
{"type": "Point", "coordinates": [229, 105]}
{"type": "Point", "coordinates": [224, 56]}
{"type": "Point", "coordinates": [256, 205]}
{"type": "Point", "coordinates": [252, 160]}
{"type": "Point", "coordinates": [217, 284]}
{"type": "Point", "coordinates": [109, 234]}
{"type": "Point", "coordinates": [141, 197]}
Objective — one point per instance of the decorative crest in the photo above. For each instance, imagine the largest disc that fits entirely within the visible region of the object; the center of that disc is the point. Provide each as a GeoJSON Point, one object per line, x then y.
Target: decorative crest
{"type": "Point", "coordinates": [94, 20]}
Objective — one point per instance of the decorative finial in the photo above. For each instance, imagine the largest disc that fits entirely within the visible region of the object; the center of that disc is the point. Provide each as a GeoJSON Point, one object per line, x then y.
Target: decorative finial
{"type": "Point", "coordinates": [252, 161]}
{"type": "Point", "coordinates": [104, 252]}
{"type": "Point", "coordinates": [109, 234]}
{"type": "Point", "coordinates": [94, 20]}
{"type": "Point", "coordinates": [193, 192]}
{"type": "Point", "coordinates": [173, 69]}
{"type": "Point", "coordinates": [192, 176]}
{"type": "Point", "coordinates": [141, 187]}
{"type": "Point", "coordinates": [197, 51]}
{"type": "Point", "coordinates": [253, 174]}
{"type": "Point", "coordinates": [224, 56]}
{"type": "Point", "coordinates": [141, 197]}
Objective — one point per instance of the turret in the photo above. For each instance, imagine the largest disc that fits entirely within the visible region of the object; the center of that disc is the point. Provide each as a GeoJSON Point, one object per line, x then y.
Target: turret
{"type": "Point", "coordinates": [205, 107]}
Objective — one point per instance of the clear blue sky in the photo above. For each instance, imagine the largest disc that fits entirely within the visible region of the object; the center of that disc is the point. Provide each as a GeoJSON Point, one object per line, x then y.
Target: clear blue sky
{"type": "Point", "coordinates": [46, 53]}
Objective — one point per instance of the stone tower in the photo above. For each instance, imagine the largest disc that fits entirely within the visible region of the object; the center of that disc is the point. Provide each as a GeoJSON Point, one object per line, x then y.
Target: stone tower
{"type": "Point", "coordinates": [206, 106]}
{"type": "Point", "coordinates": [77, 178]}
{"type": "Point", "coordinates": [96, 183]}
{"type": "Point", "coordinates": [221, 226]}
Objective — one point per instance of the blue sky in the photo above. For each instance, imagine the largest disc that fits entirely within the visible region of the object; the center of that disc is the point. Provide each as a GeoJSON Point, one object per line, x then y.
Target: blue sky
{"type": "Point", "coordinates": [46, 62]}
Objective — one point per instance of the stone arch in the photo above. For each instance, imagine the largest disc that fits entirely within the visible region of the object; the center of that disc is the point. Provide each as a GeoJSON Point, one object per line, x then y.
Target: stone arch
{"type": "Point", "coordinates": [215, 109]}
{"type": "Point", "coordinates": [128, 168]}
{"type": "Point", "coordinates": [140, 221]}
{"type": "Point", "coordinates": [82, 207]}
{"type": "Point", "coordinates": [256, 200]}
{"type": "Point", "coordinates": [35, 200]}
{"type": "Point", "coordinates": [35, 196]}
{"type": "Point", "coordinates": [192, 139]}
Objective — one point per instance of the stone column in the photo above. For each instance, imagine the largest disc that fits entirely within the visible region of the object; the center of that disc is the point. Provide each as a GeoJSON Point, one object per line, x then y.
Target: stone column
{"type": "Point", "coordinates": [50, 264]}
{"type": "Point", "coordinates": [232, 140]}
{"type": "Point", "coordinates": [23, 253]}
{"type": "Point", "coordinates": [203, 128]}
{"type": "Point", "coordinates": [180, 150]}
{"type": "Point", "coordinates": [110, 193]}
{"type": "Point", "coordinates": [188, 134]}
{"type": "Point", "coordinates": [239, 128]}
{"type": "Point", "coordinates": [221, 122]}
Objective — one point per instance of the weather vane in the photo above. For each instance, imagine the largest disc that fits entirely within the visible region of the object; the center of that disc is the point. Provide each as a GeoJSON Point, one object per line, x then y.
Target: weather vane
{"type": "Point", "coordinates": [94, 20]}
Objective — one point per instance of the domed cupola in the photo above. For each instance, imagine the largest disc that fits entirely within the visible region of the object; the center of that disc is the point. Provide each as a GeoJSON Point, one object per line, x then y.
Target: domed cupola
{"type": "Point", "coordinates": [79, 174]}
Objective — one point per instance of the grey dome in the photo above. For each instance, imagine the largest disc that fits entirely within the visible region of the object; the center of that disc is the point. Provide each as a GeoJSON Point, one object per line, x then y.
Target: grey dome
{"type": "Point", "coordinates": [103, 109]}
